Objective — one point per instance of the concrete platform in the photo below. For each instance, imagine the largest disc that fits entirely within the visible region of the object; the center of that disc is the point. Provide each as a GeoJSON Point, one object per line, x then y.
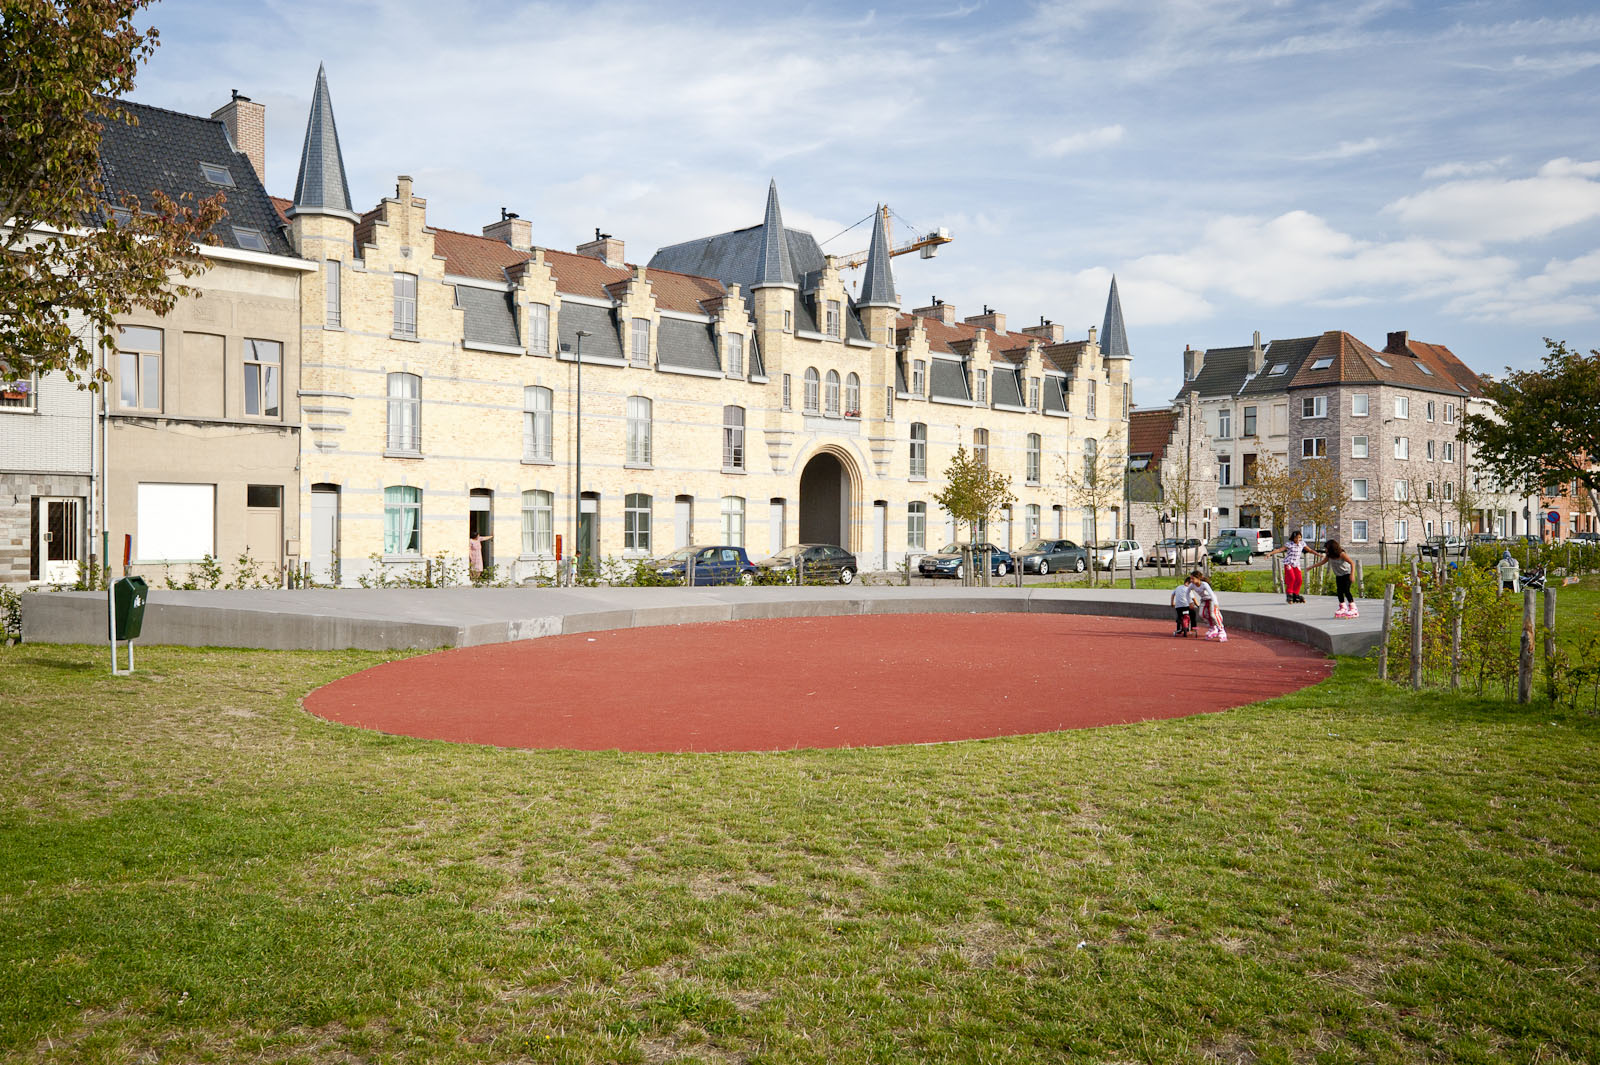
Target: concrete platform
{"type": "Point", "coordinates": [397, 619]}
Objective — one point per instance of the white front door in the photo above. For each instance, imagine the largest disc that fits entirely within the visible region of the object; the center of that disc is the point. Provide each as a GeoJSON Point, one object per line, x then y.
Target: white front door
{"type": "Point", "coordinates": [683, 521]}
{"type": "Point", "coordinates": [324, 534]}
{"type": "Point", "coordinates": [58, 546]}
{"type": "Point", "coordinates": [880, 535]}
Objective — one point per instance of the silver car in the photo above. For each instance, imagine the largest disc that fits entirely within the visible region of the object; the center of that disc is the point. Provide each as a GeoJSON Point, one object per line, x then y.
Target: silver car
{"type": "Point", "coordinates": [1172, 551]}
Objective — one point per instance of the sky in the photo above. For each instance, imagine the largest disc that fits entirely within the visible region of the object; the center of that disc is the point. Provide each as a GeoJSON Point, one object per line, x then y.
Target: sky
{"type": "Point", "coordinates": [1238, 165]}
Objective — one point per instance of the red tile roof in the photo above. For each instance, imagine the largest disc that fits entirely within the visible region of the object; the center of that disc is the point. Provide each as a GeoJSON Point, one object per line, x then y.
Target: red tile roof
{"type": "Point", "coordinates": [957, 339]}
{"type": "Point", "coordinates": [282, 206]}
{"type": "Point", "coordinates": [1354, 362]}
{"type": "Point", "coordinates": [469, 255]}
{"type": "Point", "coordinates": [1149, 431]}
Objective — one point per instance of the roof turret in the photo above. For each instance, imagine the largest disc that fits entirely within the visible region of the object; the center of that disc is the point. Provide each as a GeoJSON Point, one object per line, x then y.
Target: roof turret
{"type": "Point", "coordinates": [321, 187]}
{"type": "Point", "coordinates": [774, 267]}
{"type": "Point", "coordinates": [877, 283]}
{"type": "Point", "coordinates": [1113, 335]}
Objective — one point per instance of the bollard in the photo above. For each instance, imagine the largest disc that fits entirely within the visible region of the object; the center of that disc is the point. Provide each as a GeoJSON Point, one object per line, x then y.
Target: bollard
{"type": "Point", "coordinates": [1460, 598]}
{"type": "Point", "coordinates": [1416, 637]}
{"type": "Point", "coordinates": [1383, 647]}
{"type": "Point", "coordinates": [1525, 659]}
{"type": "Point", "coordinates": [1550, 643]}
{"type": "Point", "coordinates": [908, 569]}
{"type": "Point", "coordinates": [1360, 579]}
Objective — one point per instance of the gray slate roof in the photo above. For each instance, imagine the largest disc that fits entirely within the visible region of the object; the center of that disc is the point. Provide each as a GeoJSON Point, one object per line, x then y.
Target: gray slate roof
{"type": "Point", "coordinates": [491, 317]}
{"type": "Point", "coordinates": [322, 180]}
{"type": "Point", "coordinates": [686, 345]}
{"type": "Point", "coordinates": [600, 321]}
{"type": "Point", "coordinates": [1006, 385]}
{"type": "Point", "coordinates": [947, 380]}
{"type": "Point", "coordinates": [1293, 352]}
{"type": "Point", "coordinates": [1113, 334]}
{"type": "Point", "coordinates": [1054, 398]}
{"type": "Point", "coordinates": [775, 267]}
{"type": "Point", "coordinates": [165, 150]}
{"type": "Point", "coordinates": [877, 282]}
{"type": "Point", "coordinates": [1223, 373]}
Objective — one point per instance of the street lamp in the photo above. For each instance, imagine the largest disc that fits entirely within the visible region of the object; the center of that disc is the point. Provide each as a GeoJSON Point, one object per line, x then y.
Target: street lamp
{"type": "Point", "coordinates": [577, 456]}
{"type": "Point", "coordinates": [1178, 551]}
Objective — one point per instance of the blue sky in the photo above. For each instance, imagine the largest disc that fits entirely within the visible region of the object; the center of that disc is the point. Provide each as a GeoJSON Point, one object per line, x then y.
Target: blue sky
{"type": "Point", "coordinates": [1284, 166]}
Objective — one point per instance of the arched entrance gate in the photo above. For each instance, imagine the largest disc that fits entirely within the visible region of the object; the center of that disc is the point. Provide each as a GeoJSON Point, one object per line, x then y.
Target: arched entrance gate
{"type": "Point", "coordinates": [827, 500]}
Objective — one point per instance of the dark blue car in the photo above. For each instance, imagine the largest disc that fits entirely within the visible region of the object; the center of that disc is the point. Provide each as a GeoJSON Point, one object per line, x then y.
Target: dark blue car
{"type": "Point", "coordinates": [947, 561]}
{"type": "Point", "coordinates": [720, 564]}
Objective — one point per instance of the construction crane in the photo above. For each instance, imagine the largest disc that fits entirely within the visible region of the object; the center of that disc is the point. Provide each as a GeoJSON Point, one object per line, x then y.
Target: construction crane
{"type": "Point", "coordinates": [928, 244]}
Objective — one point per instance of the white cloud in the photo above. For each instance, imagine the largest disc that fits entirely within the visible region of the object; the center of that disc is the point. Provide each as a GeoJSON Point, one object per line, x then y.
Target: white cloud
{"type": "Point", "coordinates": [1560, 195]}
{"type": "Point", "coordinates": [1455, 170]}
{"type": "Point", "coordinates": [1349, 149]}
{"type": "Point", "coordinates": [1547, 296]}
{"type": "Point", "coordinates": [1079, 142]}
{"type": "Point", "coordinates": [1558, 64]}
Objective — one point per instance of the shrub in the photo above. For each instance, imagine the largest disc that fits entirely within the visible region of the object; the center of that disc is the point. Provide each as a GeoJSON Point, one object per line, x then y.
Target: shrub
{"type": "Point", "coordinates": [1227, 582]}
{"type": "Point", "coordinates": [10, 613]}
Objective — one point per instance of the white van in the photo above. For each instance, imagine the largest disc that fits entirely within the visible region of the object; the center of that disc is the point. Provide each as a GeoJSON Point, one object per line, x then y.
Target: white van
{"type": "Point", "coordinates": [1261, 538]}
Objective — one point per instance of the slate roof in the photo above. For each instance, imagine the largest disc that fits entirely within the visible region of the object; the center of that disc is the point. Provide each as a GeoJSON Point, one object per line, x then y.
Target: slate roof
{"type": "Point", "coordinates": [164, 151]}
{"type": "Point", "coordinates": [1223, 373]}
{"type": "Point", "coordinates": [877, 281]}
{"type": "Point", "coordinates": [1226, 371]}
{"type": "Point", "coordinates": [683, 345]}
{"type": "Point", "coordinates": [739, 257]}
{"type": "Point", "coordinates": [321, 182]}
{"type": "Point", "coordinates": [1293, 353]}
{"type": "Point", "coordinates": [601, 322]}
{"type": "Point", "coordinates": [1005, 386]}
{"type": "Point", "coordinates": [1148, 433]}
{"type": "Point", "coordinates": [1055, 397]}
{"type": "Point", "coordinates": [775, 267]}
{"type": "Point", "coordinates": [1113, 334]}
{"type": "Point", "coordinates": [948, 380]}
{"type": "Point", "coordinates": [491, 317]}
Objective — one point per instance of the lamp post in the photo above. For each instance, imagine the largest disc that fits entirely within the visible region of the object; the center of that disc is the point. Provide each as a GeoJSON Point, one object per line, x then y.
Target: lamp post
{"type": "Point", "coordinates": [1178, 549]}
{"type": "Point", "coordinates": [577, 459]}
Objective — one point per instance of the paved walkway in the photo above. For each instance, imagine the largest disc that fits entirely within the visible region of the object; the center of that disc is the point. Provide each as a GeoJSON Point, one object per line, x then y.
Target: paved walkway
{"type": "Point", "coordinates": [392, 618]}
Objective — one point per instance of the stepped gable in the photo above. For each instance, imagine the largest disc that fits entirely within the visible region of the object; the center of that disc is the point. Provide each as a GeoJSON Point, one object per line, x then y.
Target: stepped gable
{"type": "Point", "coordinates": [161, 149]}
{"type": "Point", "coordinates": [1067, 356]}
{"type": "Point", "coordinates": [471, 255]}
{"type": "Point", "coordinates": [958, 339]}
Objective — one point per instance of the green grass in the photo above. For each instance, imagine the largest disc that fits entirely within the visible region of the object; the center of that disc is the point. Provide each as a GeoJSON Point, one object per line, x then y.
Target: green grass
{"type": "Point", "coordinates": [191, 869]}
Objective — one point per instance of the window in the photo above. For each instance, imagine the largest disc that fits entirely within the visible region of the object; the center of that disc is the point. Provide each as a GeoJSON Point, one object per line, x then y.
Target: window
{"type": "Point", "coordinates": [852, 396]}
{"type": "Point", "coordinates": [1225, 471]}
{"type": "Point", "coordinates": [1358, 447]}
{"type": "Point", "coordinates": [1429, 450]}
{"type": "Point", "coordinates": [917, 525]}
{"type": "Point", "coordinates": [1358, 530]}
{"type": "Point", "coordinates": [1401, 530]}
{"type": "Point", "coordinates": [983, 387]}
{"type": "Point", "coordinates": [1430, 406]}
{"type": "Point", "coordinates": [1402, 447]}
{"type": "Point", "coordinates": [1033, 393]}
{"type": "Point", "coordinates": [919, 449]}
{"type": "Point", "coordinates": [1035, 459]}
{"type": "Point", "coordinates": [788, 321]}
{"type": "Point", "coordinates": [1402, 490]}
{"type": "Point", "coordinates": [402, 520]}
{"type": "Point", "coordinates": [1225, 424]}
{"type": "Point", "coordinates": [1449, 491]}
{"type": "Point", "coordinates": [333, 283]}
{"type": "Point", "coordinates": [1086, 531]}
{"type": "Point", "coordinates": [1249, 421]}
{"type": "Point", "coordinates": [18, 394]}
{"type": "Point", "coordinates": [1427, 490]}
{"type": "Point", "coordinates": [217, 175]}
{"type": "Point", "coordinates": [830, 394]}
{"type": "Point", "coordinates": [263, 360]}
{"type": "Point", "coordinates": [1322, 363]}
{"type": "Point", "coordinates": [813, 390]}
{"type": "Point", "coordinates": [1313, 406]}
{"type": "Point", "coordinates": [833, 318]}
{"type": "Point", "coordinates": [639, 349]}
{"type": "Point", "coordinates": [1424, 368]}
{"type": "Point", "coordinates": [1314, 447]}
{"type": "Point", "coordinates": [1358, 490]}
{"type": "Point", "coordinates": [733, 520]}
{"type": "Point", "coordinates": [539, 328]}
{"type": "Point", "coordinates": [1030, 521]}
{"type": "Point", "coordinates": [788, 396]}
{"type": "Point", "coordinates": [1249, 471]}
{"type": "Point", "coordinates": [249, 238]}
{"type": "Point", "coordinates": [139, 368]}
{"type": "Point", "coordinates": [639, 431]}
{"type": "Point", "coordinates": [176, 522]}
{"type": "Point", "coordinates": [919, 371]}
{"type": "Point", "coordinates": [1091, 451]}
{"type": "Point", "coordinates": [1449, 413]}
{"type": "Point", "coordinates": [888, 403]}
{"type": "Point", "coordinates": [1449, 450]}
{"type": "Point", "coordinates": [636, 523]}
{"type": "Point", "coordinates": [732, 438]}
{"type": "Point", "coordinates": [538, 523]}
{"type": "Point", "coordinates": [1278, 369]}
{"type": "Point", "coordinates": [405, 305]}
{"type": "Point", "coordinates": [980, 446]}
{"type": "Point", "coordinates": [1402, 406]}
{"type": "Point", "coordinates": [735, 354]}
{"type": "Point", "coordinates": [1358, 405]}
{"type": "Point", "coordinates": [536, 422]}
{"type": "Point", "coordinates": [1091, 400]}
{"type": "Point", "coordinates": [405, 413]}
{"type": "Point", "coordinates": [1381, 361]}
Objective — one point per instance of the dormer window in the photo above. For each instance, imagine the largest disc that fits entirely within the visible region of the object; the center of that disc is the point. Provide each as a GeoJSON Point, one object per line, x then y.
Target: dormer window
{"type": "Point", "coordinates": [1322, 363]}
{"type": "Point", "coordinates": [1424, 368]}
{"type": "Point", "coordinates": [217, 175]}
{"type": "Point", "coordinates": [1278, 369]}
{"type": "Point", "coordinates": [1381, 361]}
{"type": "Point", "coordinates": [248, 238]}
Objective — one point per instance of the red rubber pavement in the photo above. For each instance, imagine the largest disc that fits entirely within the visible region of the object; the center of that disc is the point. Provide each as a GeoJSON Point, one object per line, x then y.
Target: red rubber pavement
{"type": "Point", "coordinates": [816, 682]}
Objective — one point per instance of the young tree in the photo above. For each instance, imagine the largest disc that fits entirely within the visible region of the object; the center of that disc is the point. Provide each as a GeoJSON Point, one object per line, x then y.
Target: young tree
{"type": "Point", "coordinates": [1544, 427]}
{"type": "Point", "coordinates": [66, 256]}
{"type": "Point", "coordinates": [1323, 494]}
{"type": "Point", "coordinates": [1275, 491]}
{"type": "Point", "coordinates": [1096, 484]}
{"type": "Point", "coordinates": [973, 492]}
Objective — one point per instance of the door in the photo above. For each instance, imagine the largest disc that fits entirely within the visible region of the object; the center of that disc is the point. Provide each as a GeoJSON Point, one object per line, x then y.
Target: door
{"type": "Point", "coordinates": [480, 521]}
{"type": "Point", "coordinates": [880, 533]}
{"type": "Point", "coordinates": [59, 540]}
{"type": "Point", "coordinates": [263, 526]}
{"type": "Point", "coordinates": [325, 533]}
{"type": "Point", "coordinates": [589, 531]}
{"type": "Point", "coordinates": [683, 521]}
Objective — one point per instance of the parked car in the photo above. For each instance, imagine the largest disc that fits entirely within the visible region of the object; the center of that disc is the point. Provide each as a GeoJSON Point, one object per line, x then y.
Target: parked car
{"type": "Point", "coordinates": [1260, 540]}
{"type": "Point", "coordinates": [1586, 537]}
{"type": "Point", "coordinates": [947, 561]}
{"type": "Point", "coordinates": [1446, 545]}
{"type": "Point", "coordinates": [1479, 539]}
{"type": "Point", "coordinates": [1052, 556]}
{"type": "Point", "coordinates": [720, 564]}
{"type": "Point", "coordinates": [1228, 549]}
{"type": "Point", "coordinates": [1171, 551]}
{"type": "Point", "coordinates": [1118, 554]}
{"type": "Point", "coordinates": [816, 562]}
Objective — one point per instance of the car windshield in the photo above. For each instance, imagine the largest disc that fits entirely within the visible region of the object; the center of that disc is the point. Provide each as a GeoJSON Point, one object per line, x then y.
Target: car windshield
{"type": "Point", "coordinates": [1168, 542]}
{"type": "Point", "coordinates": [1106, 545]}
{"type": "Point", "coordinates": [1036, 545]}
{"type": "Point", "coordinates": [1220, 541]}
{"type": "Point", "coordinates": [951, 549]}
{"type": "Point", "coordinates": [790, 551]}
{"type": "Point", "coordinates": [680, 555]}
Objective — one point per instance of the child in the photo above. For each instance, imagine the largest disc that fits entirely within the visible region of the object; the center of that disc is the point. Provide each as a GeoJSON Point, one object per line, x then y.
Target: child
{"type": "Point", "coordinates": [1183, 603]}
{"type": "Point", "coordinates": [1209, 607]}
{"type": "Point", "coordinates": [1293, 576]}
{"type": "Point", "coordinates": [1334, 557]}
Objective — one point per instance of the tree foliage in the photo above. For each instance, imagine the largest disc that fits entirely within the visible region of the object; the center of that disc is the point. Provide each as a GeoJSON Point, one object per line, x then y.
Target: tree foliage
{"type": "Point", "coordinates": [68, 260]}
{"type": "Point", "coordinates": [973, 493]}
{"type": "Point", "coordinates": [1097, 483]}
{"type": "Point", "coordinates": [1275, 491]}
{"type": "Point", "coordinates": [1322, 494]}
{"type": "Point", "coordinates": [1545, 426]}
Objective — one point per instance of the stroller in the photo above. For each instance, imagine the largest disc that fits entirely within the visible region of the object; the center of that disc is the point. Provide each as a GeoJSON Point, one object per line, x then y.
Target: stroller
{"type": "Point", "coordinates": [1534, 578]}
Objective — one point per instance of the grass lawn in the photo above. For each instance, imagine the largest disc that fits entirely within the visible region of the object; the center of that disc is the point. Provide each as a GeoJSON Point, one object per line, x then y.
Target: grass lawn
{"type": "Point", "coordinates": [191, 869]}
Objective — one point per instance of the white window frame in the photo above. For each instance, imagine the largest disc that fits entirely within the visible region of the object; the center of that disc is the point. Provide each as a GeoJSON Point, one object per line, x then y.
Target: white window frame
{"type": "Point", "coordinates": [1314, 447]}
{"type": "Point", "coordinates": [640, 412]}
{"type": "Point", "coordinates": [636, 515]}
{"type": "Point", "coordinates": [830, 394]}
{"type": "Point", "coordinates": [917, 525]}
{"type": "Point", "coordinates": [852, 395]}
{"type": "Point", "coordinates": [980, 446]}
{"type": "Point", "coordinates": [1035, 458]}
{"type": "Point", "coordinates": [1092, 400]}
{"type": "Point", "coordinates": [639, 341]}
{"type": "Point", "coordinates": [333, 295]}
{"type": "Point", "coordinates": [263, 376]}
{"type": "Point", "coordinates": [399, 506]}
{"type": "Point", "coordinates": [405, 304]}
{"type": "Point", "coordinates": [27, 388]}
{"type": "Point", "coordinates": [919, 371]}
{"type": "Point", "coordinates": [538, 523]}
{"type": "Point", "coordinates": [736, 355]}
{"type": "Point", "coordinates": [1402, 407]}
{"type": "Point", "coordinates": [1225, 471]}
{"type": "Point", "coordinates": [1360, 406]}
{"type": "Point", "coordinates": [1402, 490]}
{"type": "Point", "coordinates": [813, 393]}
{"type": "Point", "coordinates": [733, 452]}
{"type": "Point", "coordinates": [1359, 490]}
{"type": "Point", "coordinates": [733, 521]}
{"type": "Point", "coordinates": [538, 419]}
{"type": "Point", "coordinates": [1358, 531]}
{"type": "Point", "coordinates": [1318, 406]}
{"type": "Point", "coordinates": [834, 318]}
{"type": "Point", "coordinates": [983, 387]}
{"type": "Point", "coordinates": [1402, 447]}
{"type": "Point", "coordinates": [539, 328]}
{"type": "Point", "coordinates": [788, 392]}
{"type": "Point", "coordinates": [1225, 423]}
{"type": "Point", "coordinates": [1360, 448]}
{"type": "Point", "coordinates": [919, 449]}
{"type": "Point", "coordinates": [1449, 451]}
{"type": "Point", "coordinates": [1402, 530]}
{"type": "Point", "coordinates": [139, 367]}
{"type": "Point", "coordinates": [403, 430]}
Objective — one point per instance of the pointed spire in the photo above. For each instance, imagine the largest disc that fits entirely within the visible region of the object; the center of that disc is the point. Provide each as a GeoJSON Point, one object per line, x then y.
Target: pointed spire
{"type": "Point", "coordinates": [775, 267]}
{"type": "Point", "coordinates": [877, 284]}
{"type": "Point", "coordinates": [321, 187]}
{"type": "Point", "coordinates": [1113, 335]}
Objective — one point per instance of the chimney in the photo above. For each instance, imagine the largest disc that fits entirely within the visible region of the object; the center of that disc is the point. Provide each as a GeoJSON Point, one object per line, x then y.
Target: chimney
{"type": "Point", "coordinates": [939, 310]}
{"type": "Point", "coordinates": [605, 247]}
{"type": "Point", "coordinates": [1397, 343]}
{"type": "Point", "coordinates": [1193, 362]}
{"type": "Point", "coordinates": [513, 229]}
{"type": "Point", "coordinates": [990, 319]}
{"type": "Point", "coordinates": [246, 122]}
{"type": "Point", "coordinates": [1046, 330]}
{"type": "Point", "coordinates": [1093, 335]}
{"type": "Point", "coordinates": [1258, 354]}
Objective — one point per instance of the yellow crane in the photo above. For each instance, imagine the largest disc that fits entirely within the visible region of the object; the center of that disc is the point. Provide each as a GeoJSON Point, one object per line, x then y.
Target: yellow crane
{"type": "Point", "coordinates": [927, 243]}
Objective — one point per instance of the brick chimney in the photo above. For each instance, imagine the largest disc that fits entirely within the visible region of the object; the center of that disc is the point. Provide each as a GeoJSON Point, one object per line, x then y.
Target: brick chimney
{"type": "Point", "coordinates": [513, 229]}
{"type": "Point", "coordinates": [1397, 343]}
{"type": "Point", "coordinates": [990, 319]}
{"type": "Point", "coordinates": [246, 121]}
{"type": "Point", "coordinates": [1258, 354]}
{"type": "Point", "coordinates": [605, 247]}
{"type": "Point", "coordinates": [1193, 362]}
{"type": "Point", "coordinates": [1049, 331]}
{"type": "Point", "coordinates": [939, 310]}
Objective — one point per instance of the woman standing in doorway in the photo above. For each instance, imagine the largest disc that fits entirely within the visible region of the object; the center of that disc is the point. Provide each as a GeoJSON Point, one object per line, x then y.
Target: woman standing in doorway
{"type": "Point", "coordinates": [475, 554]}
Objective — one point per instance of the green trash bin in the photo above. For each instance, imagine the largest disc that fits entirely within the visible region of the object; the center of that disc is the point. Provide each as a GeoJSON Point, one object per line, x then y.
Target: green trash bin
{"type": "Point", "coordinates": [128, 597]}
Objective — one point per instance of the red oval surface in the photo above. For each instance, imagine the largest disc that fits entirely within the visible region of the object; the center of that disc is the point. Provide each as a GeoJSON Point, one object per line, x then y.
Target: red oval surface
{"type": "Point", "coordinates": [816, 682]}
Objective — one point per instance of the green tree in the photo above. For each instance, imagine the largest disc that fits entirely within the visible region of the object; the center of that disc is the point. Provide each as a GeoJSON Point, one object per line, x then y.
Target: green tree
{"type": "Point", "coordinates": [68, 258]}
{"type": "Point", "coordinates": [1544, 427]}
{"type": "Point", "coordinates": [973, 492]}
{"type": "Point", "coordinates": [1275, 490]}
{"type": "Point", "coordinates": [1096, 484]}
